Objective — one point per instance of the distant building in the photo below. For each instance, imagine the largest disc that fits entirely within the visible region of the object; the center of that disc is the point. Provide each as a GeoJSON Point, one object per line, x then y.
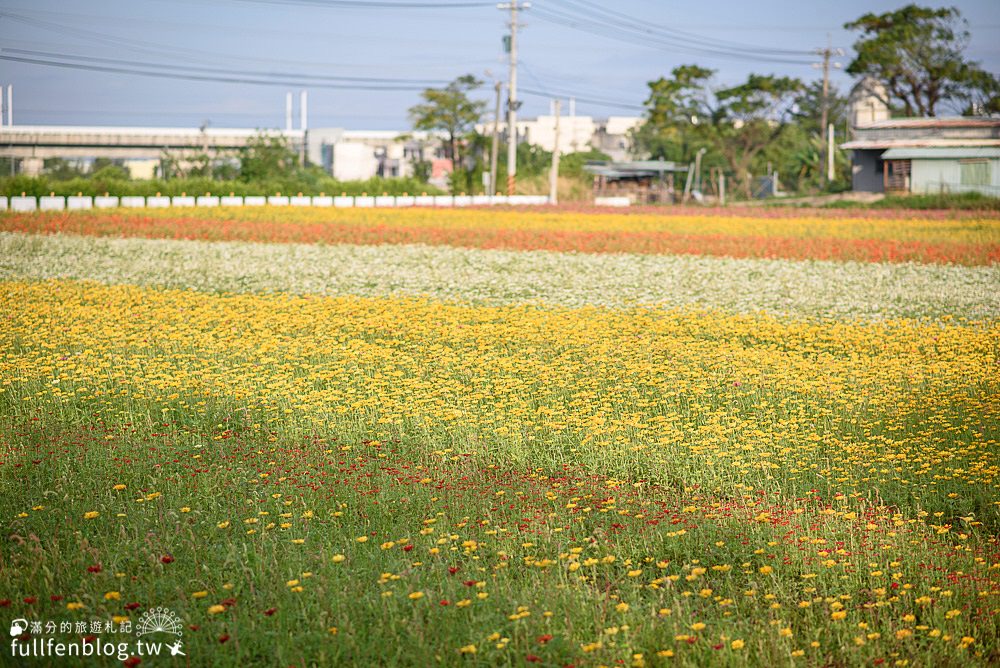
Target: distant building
{"type": "Point", "coordinates": [576, 134]}
{"type": "Point", "coordinates": [926, 155]}
{"type": "Point", "coordinates": [346, 154]}
{"type": "Point", "coordinates": [868, 102]}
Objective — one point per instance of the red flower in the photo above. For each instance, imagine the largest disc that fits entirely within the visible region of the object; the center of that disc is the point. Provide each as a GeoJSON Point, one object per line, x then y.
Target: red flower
{"type": "Point", "coordinates": [224, 637]}
{"type": "Point", "coordinates": [408, 547]}
{"type": "Point", "coordinates": [30, 599]}
{"type": "Point", "coordinates": [228, 602]}
{"type": "Point", "coordinates": [89, 639]}
{"type": "Point", "coordinates": [167, 559]}
{"type": "Point", "coordinates": [531, 658]}
{"type": "Point", "coordinates": [132, 661]}
{"type": "Point", "coordinates": [96, 568]}
{"type": "Point", "coordinates": [545, 638]}
{"type": "Point", "coordinates": [4, 602]}
{"type": "Point", "coordinates": [270, 611]}
{"type": "Point", "coordinates": [194, 627]}
{"type": "Point", "coordinates": [55, 598]}
{"type": "Point", "coordinates": [131, 606]}
{"type": "Point", "coordinates": [469, 583]}
{"type": "Point", "coordinates": [453, 569]}
{"type": "Point", "coordinates": [443, 602]}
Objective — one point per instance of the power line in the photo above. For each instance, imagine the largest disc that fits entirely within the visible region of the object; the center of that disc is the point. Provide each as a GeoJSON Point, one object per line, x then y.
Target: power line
{"type": "Point", "coordinates": [217, 70]}
{"type": "Point", "coordinates": [208, 77]}
{"type": "Point", "coordinates": [379, 4]}
{"type": "Point", "coordinates": [610, 27]}
{"type": "Point", "coordinates": [634, 23]}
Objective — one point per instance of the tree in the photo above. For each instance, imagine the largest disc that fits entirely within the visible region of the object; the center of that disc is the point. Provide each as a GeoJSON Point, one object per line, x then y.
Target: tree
{"type": "Point", "coordinates": [917, 53]}
{"type": "Point", "coordinates": [450, 110]}
{"type": "Point", "coordinates": [266, 157]}
{"type": "Point", "coordinates": [736, 124]}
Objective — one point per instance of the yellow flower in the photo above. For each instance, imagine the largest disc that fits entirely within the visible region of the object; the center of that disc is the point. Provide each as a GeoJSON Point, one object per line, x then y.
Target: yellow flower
{"type": "Point", "coordinates": [337, 558]}
{"type": "Point", "coordinates": [622, 607]}
{"type": "Point", "coordinates": [74, 606]}
{"type": "Point", "coordinates": [185, 509]}
{"type": "Point", "coordinates": [119, 487]}
{"type": "Point", "coordinates": [332, 630]}
{"type": "Point", "coordinates": [838, 615]}
{"type": "Point", "coordinates": [468, 649]}
{"type": "Point", "coordinates": [199, 594]}
{"type": "Point", "coordinates": [216, 609]}
{"type": "Point", "coordinates": [416, 595]}
{"type": "Point", "coordinates": [223, 525]}
{"type": "Point", "coordinates": [737, 644]}
{"type": "Point", "coordinates": [90, 514]}
{"type": "Point", "coordinates": [765, 570]}
{"type": "Point", "coordinates": [362, 539]}
{"type": "Point", "coordinates": [698, 626]}
{"type": "Point", "coordinates": [112, 596]}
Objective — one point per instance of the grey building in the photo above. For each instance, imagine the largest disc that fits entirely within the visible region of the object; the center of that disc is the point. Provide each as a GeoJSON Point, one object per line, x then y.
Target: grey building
{"type": "Point", "coordinates": [926, 155]}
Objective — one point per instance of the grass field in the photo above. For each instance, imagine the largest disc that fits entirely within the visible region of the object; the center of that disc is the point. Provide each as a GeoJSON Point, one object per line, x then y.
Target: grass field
{"type": "Point", "coordinates": [504, 437]}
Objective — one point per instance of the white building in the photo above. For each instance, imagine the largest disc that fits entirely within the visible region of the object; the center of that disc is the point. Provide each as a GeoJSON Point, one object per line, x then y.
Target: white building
{"type": "Point", "coordinates": [576, 133]}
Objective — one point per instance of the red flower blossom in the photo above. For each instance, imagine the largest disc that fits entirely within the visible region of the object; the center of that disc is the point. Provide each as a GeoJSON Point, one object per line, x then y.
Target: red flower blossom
{"type": "Point", "coordinates": [30, 599]}
{"type": "Point", "coordinates": [96, 568]}
{"type": "Point", "coordinates": [132, 661]}
{"type": "Point", "coordinates": [55, 598]}
{"type": "Point", "coordinates": [544, 638]}
{"type": "Point", "coordinates": [270, 611]}
{"type": "Point", "coordinates": [167, 559]}
{"type": "Point", "coordinates": [224, 637]}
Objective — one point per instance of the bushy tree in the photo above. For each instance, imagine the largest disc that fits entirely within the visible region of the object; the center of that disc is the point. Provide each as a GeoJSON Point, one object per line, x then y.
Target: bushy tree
{"type": "Point", "coordinates": [267, 157]}
{"type": "Point", "coordinates": [736, 124]}
{"type": "Point", "coordinates": [450, 110]}
{"type": "Point", "coordinates": [917, 53]}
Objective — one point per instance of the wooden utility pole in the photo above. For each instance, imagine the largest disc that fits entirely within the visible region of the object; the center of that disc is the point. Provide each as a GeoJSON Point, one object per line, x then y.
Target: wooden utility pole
{"type": "Point", "coordinates": [554, 174]}
{"type": "Point", "coordinates": [495, 147]}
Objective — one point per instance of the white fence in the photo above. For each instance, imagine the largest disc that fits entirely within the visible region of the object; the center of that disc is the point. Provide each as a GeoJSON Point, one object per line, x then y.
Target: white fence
{"type": "Point", "coordinates": [77, 203]}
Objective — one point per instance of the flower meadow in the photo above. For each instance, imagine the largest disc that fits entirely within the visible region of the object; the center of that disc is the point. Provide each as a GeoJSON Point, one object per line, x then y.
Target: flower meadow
{"type": "Point", "coordinates": [489, 437]}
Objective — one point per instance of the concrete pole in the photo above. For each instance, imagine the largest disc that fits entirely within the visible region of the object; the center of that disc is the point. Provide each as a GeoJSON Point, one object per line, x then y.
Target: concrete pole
{"type": "Point", "coordinates": [554, 173]}
{"type": "Point", "coordinates": [512, 103]}
{"type": "Point", "coordinates": [495, 146]}
{"type": "Point", "coordinates": [10, 105]}
{"type": "Point", "coordinates": [829, 154]}
{"type": "Point", "coordinates": [288, 112]}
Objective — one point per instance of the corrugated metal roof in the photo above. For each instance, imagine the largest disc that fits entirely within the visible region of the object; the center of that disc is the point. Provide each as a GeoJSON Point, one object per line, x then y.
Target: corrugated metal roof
{"type": "Point", "coordinates": [927, 142]}
{"type": "Point", "coordinates": [949, 122]}
{"type": "Point", "coordinates": [940, 153]}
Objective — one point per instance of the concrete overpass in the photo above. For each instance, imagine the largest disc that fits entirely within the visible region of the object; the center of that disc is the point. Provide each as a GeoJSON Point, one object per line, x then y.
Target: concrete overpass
{"type": "Point", "coordinates": [32, 144]}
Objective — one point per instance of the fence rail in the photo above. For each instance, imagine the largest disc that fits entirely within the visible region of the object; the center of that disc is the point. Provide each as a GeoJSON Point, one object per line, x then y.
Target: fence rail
{"type": "Point", "coordinates": [77, 203]}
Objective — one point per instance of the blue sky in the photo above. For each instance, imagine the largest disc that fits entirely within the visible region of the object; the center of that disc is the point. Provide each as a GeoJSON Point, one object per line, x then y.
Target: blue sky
{"type": "Point", "coordinates": [368, 40]}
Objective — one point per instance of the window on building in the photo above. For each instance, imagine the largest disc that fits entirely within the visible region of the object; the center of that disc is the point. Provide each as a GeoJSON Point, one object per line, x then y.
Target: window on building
{"type": "Point", "coordinates": [975, 172]}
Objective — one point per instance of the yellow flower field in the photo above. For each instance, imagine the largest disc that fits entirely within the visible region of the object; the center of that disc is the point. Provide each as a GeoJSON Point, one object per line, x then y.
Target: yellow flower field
{"type": "Point", "coordinates": [481, 476]}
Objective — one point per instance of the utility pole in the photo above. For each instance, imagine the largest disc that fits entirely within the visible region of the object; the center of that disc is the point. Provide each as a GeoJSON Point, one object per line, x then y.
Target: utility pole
{"type": "Point", "coordinates": [554, 174]}
{"type": "Point", "coordinates": [495, 147]}
{"type": "Point", "coordinates": [512, 102]}
{"type": "Point", "coordinates": [288, 111]}
{"type": "Point", "coordinates": [826, 53]}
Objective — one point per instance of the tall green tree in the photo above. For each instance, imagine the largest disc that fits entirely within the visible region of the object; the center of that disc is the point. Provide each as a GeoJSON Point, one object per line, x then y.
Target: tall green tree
{"type": "Point", "coordinates": [917, 53]}
{"type": "Point", "coordinates": [736, 124]}
{"type": "Point", "coordinates": [450, 110]}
